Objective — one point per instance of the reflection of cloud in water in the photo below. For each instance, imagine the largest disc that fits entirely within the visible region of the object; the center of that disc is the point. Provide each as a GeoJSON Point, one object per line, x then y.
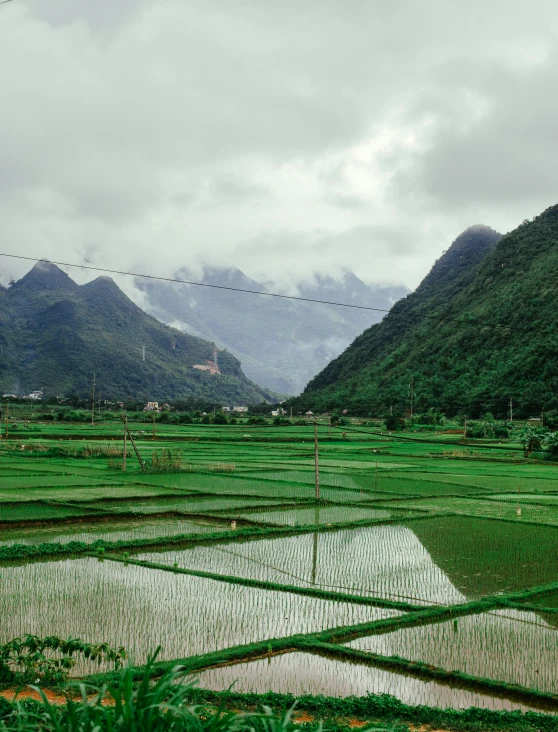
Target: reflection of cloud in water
{"type": "Point", "coordinates": [142, 609]}
{"type": "Point", "coordinates": [303, 673]}
{"type": "Point", "coordinates": [489, 645]}
{"type": "Point", "coordinates": [383, 561]}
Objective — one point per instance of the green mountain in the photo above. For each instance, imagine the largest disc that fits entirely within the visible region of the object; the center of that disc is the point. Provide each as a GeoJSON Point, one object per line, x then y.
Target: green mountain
{"type": "Point", "coordinates": [477, 332]}
{"type": "Point", "coordinates": [54, 334]}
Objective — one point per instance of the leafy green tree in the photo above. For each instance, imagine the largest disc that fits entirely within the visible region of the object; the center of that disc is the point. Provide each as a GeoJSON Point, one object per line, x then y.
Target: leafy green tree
{"type": "Point", "coordinates": [550, 444]}
{"type": "Point", "coordinates": [394, 423]}
{"type": "Point", "coordinates": [530, 440]}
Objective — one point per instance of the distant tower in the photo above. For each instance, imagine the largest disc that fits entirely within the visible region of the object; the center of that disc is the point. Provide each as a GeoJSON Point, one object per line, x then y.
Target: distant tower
{"type": "Point", "coordinates": [143, 353]}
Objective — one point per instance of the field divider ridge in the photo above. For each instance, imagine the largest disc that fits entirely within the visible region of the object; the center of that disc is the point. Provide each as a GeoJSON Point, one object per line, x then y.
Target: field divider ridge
{"type": "Point", "coordinates": [332, 636]}
{"type": "Point", "coordinates": [454, 678]}
{"type": "Point", "coordinates": [273, 586]}
{"type": "Point", "coordinates": [76, 548]}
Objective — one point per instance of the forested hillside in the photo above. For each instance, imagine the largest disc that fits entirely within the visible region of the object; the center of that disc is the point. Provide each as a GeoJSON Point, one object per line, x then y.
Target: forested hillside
{"type": "Point", "coordinates": [54, 335]}
{"type": "Point", "coordinates": [479, 330]}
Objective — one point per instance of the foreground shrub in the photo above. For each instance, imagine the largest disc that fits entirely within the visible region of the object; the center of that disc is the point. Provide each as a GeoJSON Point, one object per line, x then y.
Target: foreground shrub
{"type": "Point", "coordinates": [50, 660]}
{"type": "Point", "coordinates": [143, 707]}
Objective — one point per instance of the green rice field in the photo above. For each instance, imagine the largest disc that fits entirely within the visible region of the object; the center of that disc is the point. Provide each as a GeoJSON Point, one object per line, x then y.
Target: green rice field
{"type": "Point", "coordinates": [425, 570]}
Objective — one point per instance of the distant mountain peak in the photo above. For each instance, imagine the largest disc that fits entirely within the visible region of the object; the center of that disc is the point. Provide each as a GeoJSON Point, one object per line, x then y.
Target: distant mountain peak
{"type": "Point", "coordinates": [101, 283]}
{"type": "Point", "coordinates": [457, 264]}
{"type": "Point", "coordinates": [45, 276]}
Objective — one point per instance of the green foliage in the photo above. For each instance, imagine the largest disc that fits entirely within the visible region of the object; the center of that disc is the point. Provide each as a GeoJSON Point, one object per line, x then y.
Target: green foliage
{"type": "Point", "coordinates": [384, 709]}
{"type": "Point", "coordinates": [30, 659]}
{"type": "Point", "coordinates": [56, 334]}
{"type": "Point", "coordinates": [531, 440]}
{"type": "Point", "coordinates": [165, 459]}
{"type": "Point", "coordinates": [394, 423]}
{"type": "Point", "coordinates": [550, 444]}
{"type": "Point", "coordinates": [488, 428]}
{"type": "Point", "coordinates": [143, 707]}
{"type": "Point", "coordinates": [504, 344]}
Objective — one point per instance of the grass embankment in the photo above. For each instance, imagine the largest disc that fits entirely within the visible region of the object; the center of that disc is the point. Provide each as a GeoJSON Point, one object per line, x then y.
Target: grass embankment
{"type": "Point", "coordinates": [169, 704]}
{"type": "Point", "coordinates": [330, 642]}
{"type": "Point", "coordinates": [75, 548]}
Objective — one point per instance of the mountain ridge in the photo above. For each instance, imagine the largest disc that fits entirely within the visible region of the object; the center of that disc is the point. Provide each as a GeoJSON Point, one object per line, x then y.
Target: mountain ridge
{"type": "Point", "coordinates": [281, 343]}
{"type": "Point", "coordinates": [56, 334]}
{"type": "Point", "coordinates": [503, 347]}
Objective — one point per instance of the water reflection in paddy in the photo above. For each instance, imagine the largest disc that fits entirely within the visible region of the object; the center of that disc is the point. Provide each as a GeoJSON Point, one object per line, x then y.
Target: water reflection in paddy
{"type": "Point", "coordinates": [304, 673]}
{"type": "Point", "coordinates": [143, 608]}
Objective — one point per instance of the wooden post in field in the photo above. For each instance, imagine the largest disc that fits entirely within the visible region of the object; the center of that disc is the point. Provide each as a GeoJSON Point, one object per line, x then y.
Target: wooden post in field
{"type": "Point", "coordinates": [93, 401]}
{"type": "Point", "coordinates": [316, 459]}
{"type": "Point", "coordinates": [140, 461]}
{"type": "Point", "coordinates": [7, 422]}
{"type": "Point", "coordinates": [125, 420]}
{"type": "Point", "coordinates": [329, 429]}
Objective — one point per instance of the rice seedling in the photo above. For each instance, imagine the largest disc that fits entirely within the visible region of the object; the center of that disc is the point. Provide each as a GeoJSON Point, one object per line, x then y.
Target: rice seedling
{"type": "Point", "coordinates": [127, 530]}
{"type": "Point", "coordinates": [481, 645]}
{"type": "Point", "coordinates": [141, 608]}
{"type": "Point", "coordinates": [479, 547]}
{"type": "Point", "coordinates": [383, 561]}
{"type": "Point", "coordinates": [304, 673]}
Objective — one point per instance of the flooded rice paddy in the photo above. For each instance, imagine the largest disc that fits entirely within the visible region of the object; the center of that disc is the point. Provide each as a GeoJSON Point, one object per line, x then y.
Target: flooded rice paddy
{"type": "Point", "coordinates": [383, 561]}
{"type": "Point", "coordinates": [142, 609]}
{"type": "Point", "coordinates": [126, 530]}
{"type": "Point", "coordinates": [447, 533]}
{"type": "Point", "coordinates": [305, 673]}
{"type": "Point", "coordinates": [506, 645]}
{"type": "Point", "coordinates": [322, 515]}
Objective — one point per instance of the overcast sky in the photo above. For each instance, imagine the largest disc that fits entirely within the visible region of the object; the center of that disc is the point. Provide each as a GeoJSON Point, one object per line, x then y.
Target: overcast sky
{"type": "Point", "coordinates": [280, 136]}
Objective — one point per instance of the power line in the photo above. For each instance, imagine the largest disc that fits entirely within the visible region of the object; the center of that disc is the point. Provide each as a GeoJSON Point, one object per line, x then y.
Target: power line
{"type": "Point", "coordinates": [3, 2]}
{"type": "Point", "coordinates": [253, 292]}
{"type": "Point", "coordinates": [205, 284]}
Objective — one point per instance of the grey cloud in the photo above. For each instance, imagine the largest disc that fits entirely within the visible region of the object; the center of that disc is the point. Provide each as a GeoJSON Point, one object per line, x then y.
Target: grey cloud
{"type": "Point", "coordinates": [505, 158]}
{"type": "Point", "coordinates": [102, 15]}
{"type": "Point", "coordinates": [231, 189]}
{"type": "Point", "coordinates": [239, 130]}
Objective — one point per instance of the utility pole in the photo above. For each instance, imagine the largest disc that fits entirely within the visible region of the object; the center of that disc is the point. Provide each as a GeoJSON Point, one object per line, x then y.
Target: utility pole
{"type": "Point", "coordinates": [140, 461]}
{"type": "Point", "coordinates": [93, 401]}
{"type": "Point", "coordinates": [153, 424]}
{"type": "Point", "coordinates": [412, 395]}
{"type": "Point", "coordinates": [317, 465]}
{"type": "Point", "coordinates": [291, 414]}
{"type": "Point", "coordinates": [329, 429]}
{"type": "Point", "coordinates": [125, 420]}
{"type": "Point", "coordinates": [7, 422]}
{"type": "Point", "coordinates": [511, 409]}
